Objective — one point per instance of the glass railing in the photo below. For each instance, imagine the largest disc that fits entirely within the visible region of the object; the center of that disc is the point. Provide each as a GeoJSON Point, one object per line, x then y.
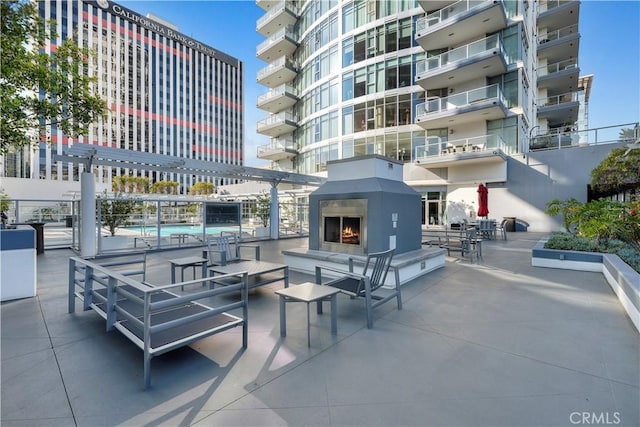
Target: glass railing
{"type": "Point", "coordinates": [448, 12]}
{"type": "Point", "coordinates": [441, 147]}
{"type": "Point", "coordinates": [277, 9]}
{"type": "Point", "coordinates": [275, 119]}
{"type": "Point", "coordinates": [276, 37]}
{"type": "Point", "coordinates": [459, 99]}
{"type": "Point", "coordinates": [276, 92]}
{"type": "Point", "coordinates": [567, 136]}
{"type": "Point", "coordinates": [277, 144]}
{"type": "Point", "coordinates": [556, 67]}
{"type": "Point", "coordinates": [275, 65]}
{"type": "Point", "coordinates": [558, 34]}
{"type": "Point", "coordinates": [460, 53]}
{"type": "Point", "coordinates": [547, 5]}
{"type": "Point", "coordinates": [558, 99]}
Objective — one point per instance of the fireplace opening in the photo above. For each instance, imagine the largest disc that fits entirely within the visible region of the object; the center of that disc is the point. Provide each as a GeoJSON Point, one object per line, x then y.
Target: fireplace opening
{"type": "Point", "coordinates": [345, 230]}
{"type": "Point", "coordinates": [343, 226]}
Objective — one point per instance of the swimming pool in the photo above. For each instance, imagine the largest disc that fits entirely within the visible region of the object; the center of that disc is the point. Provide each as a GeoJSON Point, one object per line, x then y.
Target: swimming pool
{"type": "Point", "coordinates": [169, 229]}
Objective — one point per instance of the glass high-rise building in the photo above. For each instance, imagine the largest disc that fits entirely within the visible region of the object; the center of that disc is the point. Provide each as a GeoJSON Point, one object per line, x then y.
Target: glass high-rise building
{"type": "Point", "coordinates": [167, 93]}
{"type": "Point", "coordinates": [450, 88]}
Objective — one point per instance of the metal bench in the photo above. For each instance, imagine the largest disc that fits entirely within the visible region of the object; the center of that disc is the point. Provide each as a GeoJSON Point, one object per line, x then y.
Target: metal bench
{"type": "Point", "coordinates": [157, 319]}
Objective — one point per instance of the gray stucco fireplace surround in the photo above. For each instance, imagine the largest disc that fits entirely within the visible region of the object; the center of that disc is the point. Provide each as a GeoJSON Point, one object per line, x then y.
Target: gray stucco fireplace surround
{"type": "Point", "coordinates": [365, 207]}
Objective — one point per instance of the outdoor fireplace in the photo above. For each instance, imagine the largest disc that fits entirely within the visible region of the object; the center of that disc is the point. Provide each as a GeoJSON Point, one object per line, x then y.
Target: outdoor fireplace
{"type": "Point", "coordinates": [365, 208]}
{"type": "Point", "coordinates": [343, 225]}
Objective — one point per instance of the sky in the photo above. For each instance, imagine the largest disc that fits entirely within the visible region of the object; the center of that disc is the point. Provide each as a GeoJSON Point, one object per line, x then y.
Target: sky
{"type": "Point", "coordinates": [609, 49]}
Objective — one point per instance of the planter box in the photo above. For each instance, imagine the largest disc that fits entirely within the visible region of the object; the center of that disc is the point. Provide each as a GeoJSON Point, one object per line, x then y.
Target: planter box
{"type": "Point", "coordinates": [263, 232]}
{"type": "Point", "coordinates": [112, 243]}
{"type": "Point", "coordinates": [623, 279]}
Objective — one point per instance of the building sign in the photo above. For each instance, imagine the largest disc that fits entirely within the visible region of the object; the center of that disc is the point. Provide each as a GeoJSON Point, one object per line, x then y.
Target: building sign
{"type": "Point", "coordinates": [221, 214]}
{"type": "Point", "coordinates": [161, 29]}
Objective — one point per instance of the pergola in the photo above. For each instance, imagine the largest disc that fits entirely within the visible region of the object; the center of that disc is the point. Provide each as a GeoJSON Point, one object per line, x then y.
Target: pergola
{"type": "Point", "coordinates": [90, 155]}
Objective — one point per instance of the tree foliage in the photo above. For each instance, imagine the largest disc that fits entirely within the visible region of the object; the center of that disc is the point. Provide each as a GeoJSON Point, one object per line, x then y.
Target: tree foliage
{"type": "Point", "coordinates": [131, 184]}
{"type": "Point", "coordinates": [263, 209]}
{"type": "Point", "coordinates": [621, 167]}
{"type": "Point", "coordinates": [567, 209]}
{"type": "Point", "coordinates": [115, 212]}
{"type": "Point", "coordinates": [165, 187]}
{"type": "Point", "coordinates": [27, 71]}
{"type": "Point", "coordinates": [202, 188]}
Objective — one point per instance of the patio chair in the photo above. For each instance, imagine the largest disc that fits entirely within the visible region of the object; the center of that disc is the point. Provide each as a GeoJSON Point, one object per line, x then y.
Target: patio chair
{"type": "Point", "coordinates": [502, 229]}
{"type": "Point", "coordinates": [472, 244]}
{"type": "Point", "coordinates": [366, 285]}
{"type": "Point", "coordinates": [486, 229]}
{"type": "Point", "coordinates": [219, 250]}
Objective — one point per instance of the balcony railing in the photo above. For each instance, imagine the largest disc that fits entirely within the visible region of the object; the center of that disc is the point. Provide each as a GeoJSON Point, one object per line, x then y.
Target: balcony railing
{"type": "Point", "coordinates": [558, 34]}
{"type": "Point", "coordinates": [459, 99]}
{"type": "Point", "coordinates": [556, 67]}
{"type": "Point", "coordinates": [276, 92]}
{"type": "Point", "coordinates": [276, 37]}
{"type": "Point", "coordinates": [446, 13]}
{"type": "Point", "coordinates": [569, 138]}
{"type": "Point", "coordinates": [278, 63]}
{"type": "Point", "coordinates": [277, 144]}
{"type": "Point", "coordinates": [275, 119]}
{"type": "Point", "coordinates": [437, 147]}
{"type": "Point", "coordinates": [558, 99]}
{"type": "Point", "coordinates": [273, 12]}
{"type": "Point", "coordinates": [546, 5]}
{"type": "Point", "coordinates": [459, 54]}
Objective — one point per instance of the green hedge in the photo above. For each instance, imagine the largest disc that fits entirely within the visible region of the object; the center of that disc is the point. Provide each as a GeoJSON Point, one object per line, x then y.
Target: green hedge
{"type": "Point", "coordinates": [571, 242]}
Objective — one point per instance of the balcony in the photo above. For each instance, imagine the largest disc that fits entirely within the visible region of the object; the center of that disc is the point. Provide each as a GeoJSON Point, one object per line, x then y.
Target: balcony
{"type": "Point", "coordinates": [278, 99]}
{"type": "Point", "coordinates": [464, 20]}
{"type": "Point", "coordinates": [560, 44]}
{"type": "Point", "coordinates": [277, 124]}
{"type": "Point", "coordinates": [559, 109]}
{"type": "Point", "coordinates": [558, 13]}
{"type": "Point", "coordinates": [267, 5]}
{"type": "Point", "coordinates": [438, 153]}
{"type": "Point", "coordinates": [280, 16]}
{"type": "Point", "coordinates": [278, 149]}
{"type": "Point", "coordinates": [282, 43]}
{"type": "Point", "coordinates": [486, 103]}
{"type": "Point", "coordinates": [559, 77]}
{"type": "Point", "coordinates": [281, 71]}
{"type": "Point", "coordinates": [482, 58]}
{"type": "Point", "coordinates": [430, 5]}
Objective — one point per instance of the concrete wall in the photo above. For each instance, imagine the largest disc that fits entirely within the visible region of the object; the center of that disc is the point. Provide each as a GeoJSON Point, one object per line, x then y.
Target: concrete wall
{"type": "Point", "coordinates": [532, 180]}
{"type": "Point", "coordinates": [41, 189]}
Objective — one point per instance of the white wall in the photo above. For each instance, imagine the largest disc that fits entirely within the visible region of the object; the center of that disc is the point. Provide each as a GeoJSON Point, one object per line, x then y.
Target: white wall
{"type": "Point", "coordinates": [43, 189]}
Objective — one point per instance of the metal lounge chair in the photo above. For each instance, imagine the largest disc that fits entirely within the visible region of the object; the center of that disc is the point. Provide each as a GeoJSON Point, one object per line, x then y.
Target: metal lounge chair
{"type": "Point", "coordinates": [367, 284]}
{"type": "Point", "coordinates": [219, 250]}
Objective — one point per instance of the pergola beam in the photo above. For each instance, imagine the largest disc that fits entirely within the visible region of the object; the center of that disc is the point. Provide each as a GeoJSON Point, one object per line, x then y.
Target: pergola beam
{"type": "Point", "coordinates": [117, 157]}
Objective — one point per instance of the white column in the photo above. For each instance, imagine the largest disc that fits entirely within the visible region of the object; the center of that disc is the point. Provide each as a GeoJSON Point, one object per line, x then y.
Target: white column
{"type": "Point", "coordinates": [274, 214]}
{"type": "Point", "coordinates": [88, 212]}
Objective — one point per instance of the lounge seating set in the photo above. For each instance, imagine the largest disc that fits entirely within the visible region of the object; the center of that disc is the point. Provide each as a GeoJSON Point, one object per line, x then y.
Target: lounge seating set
{"type": "Point", "coordinates": [159, 319]}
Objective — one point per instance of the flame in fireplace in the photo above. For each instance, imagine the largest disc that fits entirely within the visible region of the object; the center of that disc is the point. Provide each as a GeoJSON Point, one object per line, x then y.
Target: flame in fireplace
{"type": "Point", "coordinates": [350, 236]}
{"type": "Point", "coordinates": [348, 232]}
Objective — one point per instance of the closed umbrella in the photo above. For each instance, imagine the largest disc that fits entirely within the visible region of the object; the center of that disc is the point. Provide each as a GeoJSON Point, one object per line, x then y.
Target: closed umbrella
{"type": "Point", "coordinates": [483, 201]}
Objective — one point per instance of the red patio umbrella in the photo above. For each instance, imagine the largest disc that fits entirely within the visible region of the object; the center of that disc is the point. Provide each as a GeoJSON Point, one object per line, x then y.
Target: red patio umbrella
{"type": "Point", "coordinates": [483, 201]}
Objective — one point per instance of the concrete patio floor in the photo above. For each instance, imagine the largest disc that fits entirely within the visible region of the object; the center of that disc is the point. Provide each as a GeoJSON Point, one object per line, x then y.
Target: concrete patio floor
{"type": "Point", "coordinates": [477, 344]}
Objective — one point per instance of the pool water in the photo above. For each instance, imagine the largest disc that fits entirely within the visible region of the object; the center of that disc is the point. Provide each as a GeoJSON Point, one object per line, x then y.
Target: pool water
{"type": "Point", "coordinates": [167, 230]}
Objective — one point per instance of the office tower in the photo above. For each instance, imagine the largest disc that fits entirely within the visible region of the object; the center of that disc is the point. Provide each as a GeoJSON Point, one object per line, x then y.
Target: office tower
{"type": "Point", "coordinates": [167, 93]}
